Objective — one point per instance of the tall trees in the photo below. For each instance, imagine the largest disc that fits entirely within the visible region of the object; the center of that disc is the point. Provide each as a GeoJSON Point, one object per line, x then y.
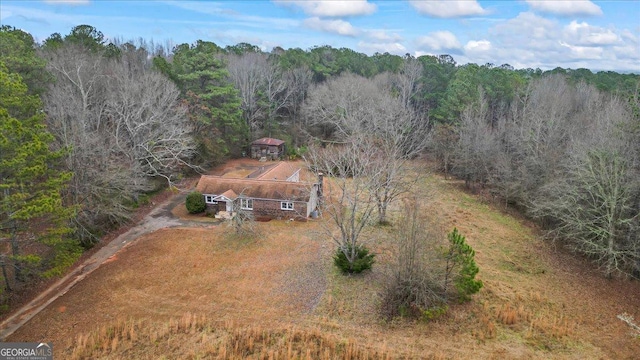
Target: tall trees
{"type": "Point", "coordinates": [592, 204]}
{"type": "Point", "coordinates": [31, 182]}
{"type": "Point", "coordinates": [437, 74]}
{"type": "Point", "coordinates": [265, 89]}
{"type": "Point", "coordinates": [353, 109]}
{"type": "Point", "coordinates": [214, 107]}
{"type": "Point", "coordinates": [247, 72]}
{"type": "Point", "coordinates": [567, 154]}
{"type": "Point", "coordinates": [298, 82]}
{"type": "Point", "coordinates": [372, 134]}
{"type": "Point", "coordinates": [477, 144]}
{"type": "Point", "coordinates": [124, 126]}
{"type": "Point", "coordinates": [592, 207]}
{"type": "Point", "coordinates": [18, 54]}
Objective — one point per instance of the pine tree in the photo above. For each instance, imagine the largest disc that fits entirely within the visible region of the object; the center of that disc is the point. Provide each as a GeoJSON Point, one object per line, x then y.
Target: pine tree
{"type": "Point", "coordinates": [213, 102]}
{"type": "Point", "coordinates": [31, 207]}
{"type": "Point", "coordinates": [461, 268]}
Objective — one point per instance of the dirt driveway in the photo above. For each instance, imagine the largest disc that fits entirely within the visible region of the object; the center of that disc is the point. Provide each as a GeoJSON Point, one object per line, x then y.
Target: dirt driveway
{"type": "Point", "coordinates": [159, 218]}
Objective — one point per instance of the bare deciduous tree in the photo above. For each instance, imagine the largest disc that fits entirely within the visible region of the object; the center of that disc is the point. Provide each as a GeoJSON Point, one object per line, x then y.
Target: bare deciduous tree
{"type": "Point", "coordinates": [242, 220]}
{"type": "Point", "coordinates": [123, 125]}
{"type": "Point", "coordinates": [298, 81]}
{"type": "Point", "coordinates": [263, 87]}
{"type": "Point", "coordinates": [414, 284]}
{"type": "Point", "coordinates": [477, 145]}
{"type": "Point", "coordinates": [347, 200]}
{"type": "Point", "coordinates": [147, 123]}
{"type": "Point", "coordinates": [353, 109]}
{"type": "Point", "coordinates": [567, 153]}
{"type": "Point", "coordinates": [407, 82]}
{"type": "Point", "coordinates": [592, 208]}
{"type": "Point", "coordinates": [593, 204]}
{"type": "Point", "coordinates": [247, 72]}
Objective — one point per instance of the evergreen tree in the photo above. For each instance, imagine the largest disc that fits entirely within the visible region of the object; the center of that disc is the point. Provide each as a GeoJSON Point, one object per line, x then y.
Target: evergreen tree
{"type": "Point", "coordinates": [214, 104]}
{"type": "Point", "coordinates": [18, 54]}
{"type": "Point", "coordinates": [31, 205]}
{"type": "Point", "coordinates": [461, 268]}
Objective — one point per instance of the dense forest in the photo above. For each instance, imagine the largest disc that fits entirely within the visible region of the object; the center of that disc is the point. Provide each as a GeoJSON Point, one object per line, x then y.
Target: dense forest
{"type": "Point", "coordinates": [89, 129]}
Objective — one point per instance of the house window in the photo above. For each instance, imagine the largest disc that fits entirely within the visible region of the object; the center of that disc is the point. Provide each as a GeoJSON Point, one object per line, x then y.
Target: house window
{"type": "Point", "coordinates": [209, 199]}
{"type": "Point", "coordinates": [246, 204]}
{"type": "Point", "coordinates": [286, 205]}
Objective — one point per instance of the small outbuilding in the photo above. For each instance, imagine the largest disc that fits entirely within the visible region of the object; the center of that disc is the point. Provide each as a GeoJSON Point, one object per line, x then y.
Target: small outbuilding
{"type": "Point", "coordinates": [268, 148]}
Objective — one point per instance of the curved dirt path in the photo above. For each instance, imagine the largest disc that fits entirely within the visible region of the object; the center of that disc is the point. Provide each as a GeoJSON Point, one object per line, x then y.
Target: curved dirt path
{"type": "Point", "coordinates": [158, 218]}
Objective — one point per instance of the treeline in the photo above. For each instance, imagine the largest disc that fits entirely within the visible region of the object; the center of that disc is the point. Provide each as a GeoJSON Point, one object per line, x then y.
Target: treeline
{"type": "Point", "coordinates": [91, 128]}
{"type": "Point", "coordinates": [567, 154]}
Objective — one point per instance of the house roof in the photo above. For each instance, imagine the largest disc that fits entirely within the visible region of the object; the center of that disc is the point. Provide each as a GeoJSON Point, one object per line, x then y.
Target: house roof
{"type": "Point", "coordinates": [230, 194]}
{"type": "Point", "coordinates": [268, 141]}
{"type": "Point", "coordinates": [254, 188]}
{"type": "Point", "coordinates": [279, 171]}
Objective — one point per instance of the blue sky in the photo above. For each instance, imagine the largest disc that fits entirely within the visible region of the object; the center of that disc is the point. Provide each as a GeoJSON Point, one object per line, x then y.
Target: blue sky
{"type": "Point", "coordinates": [599, 35]}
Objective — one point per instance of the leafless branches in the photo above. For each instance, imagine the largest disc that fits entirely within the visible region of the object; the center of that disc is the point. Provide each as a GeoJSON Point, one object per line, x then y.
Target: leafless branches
{"type": "Point", "coordinates": [123, 126]}
{"type": "Point", "coordinates": [347, 200]}
{"type": "Point", "coordinates": [568, 154]}
{"type": "Point", "coordinates": [356, 111]}
{"type": "Point", "coordinates": [265, 89]}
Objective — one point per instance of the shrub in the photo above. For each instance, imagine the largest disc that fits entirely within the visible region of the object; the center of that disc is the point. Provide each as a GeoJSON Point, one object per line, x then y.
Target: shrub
{"type": "Point", "coordinates": [424, 278]}
{"type": "Point", "coordinates": [413, 287]}
{"type": "Point", "coordinates": [195, 203]}
{"type": "Point", "coordinates": [433, 312]}
{"type": "Point", "coordinates": [417, 297]}
{"type": "Point", "coordinates": [294, 153]}
{"type": "Point", "coordinates": [362, 261]}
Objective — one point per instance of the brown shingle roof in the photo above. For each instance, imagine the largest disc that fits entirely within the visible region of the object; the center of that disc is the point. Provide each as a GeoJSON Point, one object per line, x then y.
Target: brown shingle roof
{"type": "Point", "coordinates": [268, 141]}
{"type": "Point", "coordinates": [280, 171]}
{"type": "Point", "coordinates": [230, 194]}
{"type": "Point", "coordinates": [261, 189]}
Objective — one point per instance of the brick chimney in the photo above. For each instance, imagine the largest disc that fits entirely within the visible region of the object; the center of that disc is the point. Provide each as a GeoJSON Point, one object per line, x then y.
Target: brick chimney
{"type": "Point", "coordinates": [320, 182]}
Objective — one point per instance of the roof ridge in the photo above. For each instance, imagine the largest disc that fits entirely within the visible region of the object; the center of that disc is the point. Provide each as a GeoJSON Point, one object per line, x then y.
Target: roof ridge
{"type": "Point", "coordinates": [244, 179]}
{"type": "Point", "coordinates": [273, 168]}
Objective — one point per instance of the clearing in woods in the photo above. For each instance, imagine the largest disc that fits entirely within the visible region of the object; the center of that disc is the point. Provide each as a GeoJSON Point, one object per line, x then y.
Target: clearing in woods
{"type": "Point", "coordinates": [193, 292]}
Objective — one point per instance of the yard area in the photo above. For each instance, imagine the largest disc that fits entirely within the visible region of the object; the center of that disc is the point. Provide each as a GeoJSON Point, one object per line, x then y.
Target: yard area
{"type": "Point", "coordinates": [538, 301]}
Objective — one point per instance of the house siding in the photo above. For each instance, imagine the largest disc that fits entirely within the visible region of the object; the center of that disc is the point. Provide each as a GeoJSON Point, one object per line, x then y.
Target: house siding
{"type": "Point", "coordinates": [271, 208]}
{"type": "Point", "coordinates": [268, 208]}
{"type": "Point", "coordinates": [270, 151]}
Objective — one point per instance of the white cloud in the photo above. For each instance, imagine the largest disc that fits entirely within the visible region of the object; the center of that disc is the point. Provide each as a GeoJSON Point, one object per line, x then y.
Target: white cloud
{"type": "Point", "coordinates": [626, 34]}
{"type": "Point", "coordinates": [448, 8]}
{"type": "Point", "coordinates": [67, 2]}
{"type": "Point", "coordinates": [392, 48]}
{"type": "Point", "coordinates": [477, 47]}
{"type": "Point", "coordinates": [339, 27]}
{"type": "Point", "coordinates": [583, 52]}
{"type": "Point", "coordinates": [527, 30]}
{"type": "Point", "coordinates": [383, 35]}
{"type": "Point", "coordinates": [530, 40]}
{"type": "Point", "coordinates": [585, 34]}
{"type": "Point", "coordinates": [332, 8]}
{"type": "Point", "coordinates": [439, 40]}
{"type": "Point", "coordinates": [566, 7]}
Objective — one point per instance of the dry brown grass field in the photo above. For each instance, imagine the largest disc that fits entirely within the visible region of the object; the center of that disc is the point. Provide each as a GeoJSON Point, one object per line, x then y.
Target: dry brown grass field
{"type": "Point", "coordinates": [199, 293]}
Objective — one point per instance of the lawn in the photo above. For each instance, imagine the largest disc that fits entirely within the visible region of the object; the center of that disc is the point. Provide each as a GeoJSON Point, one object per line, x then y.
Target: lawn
{"type": "Point", "coordinates": [192, 292]}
